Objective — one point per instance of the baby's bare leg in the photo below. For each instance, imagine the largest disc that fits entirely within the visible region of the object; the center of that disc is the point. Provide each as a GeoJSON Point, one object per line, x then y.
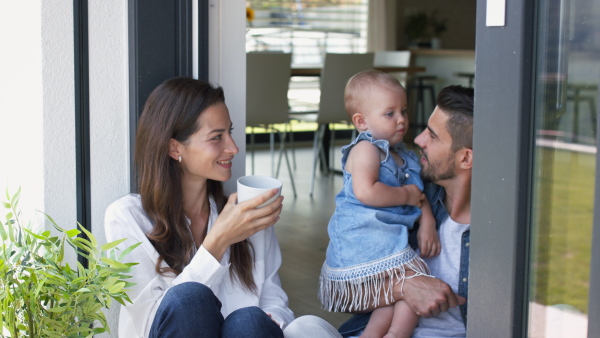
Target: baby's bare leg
{"type": "Point", "coordinates": [379, 323]}
{"type": "Point", "coordinates": [404, 321]}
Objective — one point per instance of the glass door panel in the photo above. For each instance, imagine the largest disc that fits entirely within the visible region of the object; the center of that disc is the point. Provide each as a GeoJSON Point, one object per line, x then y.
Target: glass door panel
{"type": "Point", "coordinates": [566, 98]}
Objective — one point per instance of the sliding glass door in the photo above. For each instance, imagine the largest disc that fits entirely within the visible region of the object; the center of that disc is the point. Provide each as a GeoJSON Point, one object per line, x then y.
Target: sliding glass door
{"type": "Point", "coordinates": [534, 265]}
{"type": "Point", "coordinates": [564, 168]}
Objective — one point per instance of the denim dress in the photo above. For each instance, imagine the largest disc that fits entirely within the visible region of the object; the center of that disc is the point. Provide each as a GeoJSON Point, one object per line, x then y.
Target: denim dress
{"type": "Point", "coordinates": [369, 243]}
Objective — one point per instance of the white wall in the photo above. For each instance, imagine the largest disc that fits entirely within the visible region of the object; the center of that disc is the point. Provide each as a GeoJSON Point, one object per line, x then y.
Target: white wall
{"type": "Point", "coordinates": [227, 67]}
{"type": "Point", "coordinates": [21, 115]}
{"type": "Point", "coordinates": [60, 199]}
{"type": "Point", "coordinates": [109, 114]}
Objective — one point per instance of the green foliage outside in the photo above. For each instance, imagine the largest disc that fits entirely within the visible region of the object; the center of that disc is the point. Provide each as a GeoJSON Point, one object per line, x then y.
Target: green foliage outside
{"type": "Point", "coordinates": [43, 296]}
{"type": "Point", "coordinates": [563, 227]}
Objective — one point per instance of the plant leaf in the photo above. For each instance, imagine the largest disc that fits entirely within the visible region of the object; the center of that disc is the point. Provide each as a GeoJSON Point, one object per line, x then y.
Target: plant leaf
{"type": "Point", "coordinates": [128, 250]}
{"type": "Point", "coordinates": [111, 245]}
{"type": "Point", "coordinates": [51, 220]}
{"type": "Point", "coordinates": [15, 199]}
{"type": "Point", "coordinates": [113, 263]}
{"type": "Point", "coordinates": [57, 309]}
{"type": "Point", "coordinates": [90, 236]}
{"type": "Point", "coordinates": [72, 232]}
{"type": "Point", "coordinates": [36, 236]}
{"type": "Point", "coordinates": [3, 233]}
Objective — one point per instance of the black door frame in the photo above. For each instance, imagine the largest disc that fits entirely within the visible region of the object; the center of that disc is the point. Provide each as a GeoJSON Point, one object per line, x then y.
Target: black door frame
{"type": "Point", "coordinates": [161, 47]}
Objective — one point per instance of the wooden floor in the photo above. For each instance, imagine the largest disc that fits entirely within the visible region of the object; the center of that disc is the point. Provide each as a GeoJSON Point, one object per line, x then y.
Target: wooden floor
{"type": "Point", "coordinates": [302, 229]}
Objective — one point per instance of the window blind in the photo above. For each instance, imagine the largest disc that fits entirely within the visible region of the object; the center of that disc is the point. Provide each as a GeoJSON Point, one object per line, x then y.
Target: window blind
{"type": "Point", "coordinates": [307, 29]}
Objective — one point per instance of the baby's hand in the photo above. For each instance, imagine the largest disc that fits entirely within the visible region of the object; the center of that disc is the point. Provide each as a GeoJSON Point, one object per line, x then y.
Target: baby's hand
{"type": "Point", "coordinates": [429, 241]}
{"type": "Point", "coordinates": [415, 196]}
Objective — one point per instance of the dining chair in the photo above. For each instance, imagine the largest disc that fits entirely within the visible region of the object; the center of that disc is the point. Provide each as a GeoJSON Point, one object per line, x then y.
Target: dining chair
{"type": "Point", "coordinates": [337, 70]}
{"type": "Point", "coordinates": [419, 84]}
{"type": "Point", "coordinates": [397, 58]}
{"type": "Point", "coordinates": [267, 84]}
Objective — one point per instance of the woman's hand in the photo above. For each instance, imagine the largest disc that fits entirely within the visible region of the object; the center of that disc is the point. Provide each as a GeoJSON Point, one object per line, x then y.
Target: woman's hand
{"type": "Point", "coordinates": [240, 221]}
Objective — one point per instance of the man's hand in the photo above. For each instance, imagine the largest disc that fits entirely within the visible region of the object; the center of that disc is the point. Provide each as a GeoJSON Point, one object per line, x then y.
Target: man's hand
{"type": "Point", "coordinates": [427, 296]}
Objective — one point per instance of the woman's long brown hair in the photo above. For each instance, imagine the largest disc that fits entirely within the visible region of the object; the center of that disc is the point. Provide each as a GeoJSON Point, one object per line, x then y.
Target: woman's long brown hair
{"type": "Point", "coordinates": [172, 111]}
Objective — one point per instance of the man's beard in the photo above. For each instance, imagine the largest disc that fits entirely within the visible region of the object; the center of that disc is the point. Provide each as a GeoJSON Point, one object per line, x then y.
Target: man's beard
{"type": "Point", "coordinates": [438, 170]}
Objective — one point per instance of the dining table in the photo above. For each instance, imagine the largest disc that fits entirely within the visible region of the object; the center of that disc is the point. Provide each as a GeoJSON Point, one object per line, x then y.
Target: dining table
{"type": "Point", "coordinates": [316, 71]}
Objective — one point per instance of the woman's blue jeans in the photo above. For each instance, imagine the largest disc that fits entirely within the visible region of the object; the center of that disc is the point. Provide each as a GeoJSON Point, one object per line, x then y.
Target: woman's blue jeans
{"type": "Point", "coordinates": [192, 310]}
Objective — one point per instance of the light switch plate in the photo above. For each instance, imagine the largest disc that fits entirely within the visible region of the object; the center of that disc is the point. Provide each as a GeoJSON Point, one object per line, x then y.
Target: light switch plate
{"type": "Point", "coordinates": [495, 15]}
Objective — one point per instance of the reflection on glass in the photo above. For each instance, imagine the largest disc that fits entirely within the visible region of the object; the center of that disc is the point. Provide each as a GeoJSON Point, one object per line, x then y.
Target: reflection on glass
{"type": "Point", "coordinates": [566, 96]}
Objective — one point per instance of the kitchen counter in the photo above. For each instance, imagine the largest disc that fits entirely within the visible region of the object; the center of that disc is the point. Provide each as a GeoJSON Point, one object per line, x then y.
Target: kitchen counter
{"type": "Point", "coordinates": [444, 52]}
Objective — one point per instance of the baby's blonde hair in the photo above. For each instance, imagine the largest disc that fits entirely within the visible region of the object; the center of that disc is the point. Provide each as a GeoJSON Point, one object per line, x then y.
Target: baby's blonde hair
{"type": "Point", "coordinates": [359, 86]}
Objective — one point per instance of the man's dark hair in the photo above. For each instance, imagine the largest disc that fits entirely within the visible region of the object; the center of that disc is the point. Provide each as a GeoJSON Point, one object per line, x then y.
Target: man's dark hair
{"type": "Point", "coordinates": [457, 103]}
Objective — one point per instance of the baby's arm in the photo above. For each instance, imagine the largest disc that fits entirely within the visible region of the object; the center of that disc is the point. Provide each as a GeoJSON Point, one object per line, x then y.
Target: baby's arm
{"type": "Point", "coordinates": [429, 241]}
{"type": "Point", "coordinates": [363, 164]}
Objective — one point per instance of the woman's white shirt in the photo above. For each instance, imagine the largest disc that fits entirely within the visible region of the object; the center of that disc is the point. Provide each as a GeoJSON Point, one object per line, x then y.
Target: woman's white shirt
{"type": "Point", "coordinates": [125, 218]}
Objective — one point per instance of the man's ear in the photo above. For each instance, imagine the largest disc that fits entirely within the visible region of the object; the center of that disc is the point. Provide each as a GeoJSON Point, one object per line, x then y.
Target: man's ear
{"type": "Point", "coordinates": [359, 122]}
{"type": "Point", "coordinates": [466, 159]}
{"type": "Point", "coordinates": [174, 149]}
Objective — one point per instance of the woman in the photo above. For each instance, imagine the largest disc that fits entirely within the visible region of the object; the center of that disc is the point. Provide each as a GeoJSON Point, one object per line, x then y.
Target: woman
{"type": "Point", "coordinates": [206, 267]}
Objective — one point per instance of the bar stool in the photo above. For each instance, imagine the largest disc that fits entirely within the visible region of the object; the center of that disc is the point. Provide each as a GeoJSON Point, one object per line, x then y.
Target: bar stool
{"type": "Point", "coordinates": [469, 76]}
{"type": "Point", "coordinates": [582, 92]}
{"type": "Point", "coordinates": [420, 86]}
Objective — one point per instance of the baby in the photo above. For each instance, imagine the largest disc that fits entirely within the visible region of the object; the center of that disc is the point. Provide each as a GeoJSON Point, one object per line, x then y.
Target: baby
{"type": "Point", "coordinates": [380, 202]}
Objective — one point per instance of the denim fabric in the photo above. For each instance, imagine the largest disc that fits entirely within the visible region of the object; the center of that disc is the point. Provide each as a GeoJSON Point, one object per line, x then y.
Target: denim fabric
{"type": "Point", "coordinates": [250, 322]}
{"type": "Point", "coordinates": [192, 310]}
{"type": "Point", "coordinates": [355, 226]}
{"type": "Point", "coordinates": [367, 241]}
{"type": "Point", "coordinates": [355, 325]}
{"type": "Point", "coordinates": [435, 195]}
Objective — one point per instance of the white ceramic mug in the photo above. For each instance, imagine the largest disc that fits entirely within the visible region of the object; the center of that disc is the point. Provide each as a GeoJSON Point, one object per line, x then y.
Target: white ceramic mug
{"type": "Point", "coordinates": [251, 186]}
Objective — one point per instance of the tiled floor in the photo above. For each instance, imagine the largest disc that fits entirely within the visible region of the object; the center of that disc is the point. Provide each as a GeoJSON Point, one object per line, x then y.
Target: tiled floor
{"type": "Point", "coordinates": [302, 230]}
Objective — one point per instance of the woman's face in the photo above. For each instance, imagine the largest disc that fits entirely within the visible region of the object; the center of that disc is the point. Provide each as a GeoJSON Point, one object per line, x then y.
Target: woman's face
{"type": "Point", "coordinates": [208, 152]}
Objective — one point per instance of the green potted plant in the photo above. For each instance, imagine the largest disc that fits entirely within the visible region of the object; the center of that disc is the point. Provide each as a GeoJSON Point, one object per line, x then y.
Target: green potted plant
{"type": "Point", "coordinates": [416, 28]}
{"type": "Point", "coordinates": [438, 26]}
{"type": "Point", "coordinates": [41, 295]}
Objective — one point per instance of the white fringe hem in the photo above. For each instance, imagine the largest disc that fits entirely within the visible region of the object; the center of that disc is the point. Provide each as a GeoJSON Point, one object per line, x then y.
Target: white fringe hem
{"type": "Point", "coordinates": [342, 294]}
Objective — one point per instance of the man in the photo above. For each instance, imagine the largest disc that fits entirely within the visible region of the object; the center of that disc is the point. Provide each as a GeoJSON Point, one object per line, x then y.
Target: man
{"type": "Point", "coordinates": [446, 158]}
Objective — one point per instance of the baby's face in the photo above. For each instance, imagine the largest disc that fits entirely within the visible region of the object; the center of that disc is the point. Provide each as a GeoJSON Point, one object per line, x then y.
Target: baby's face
{"type": "Point", "coordinates": [385, 113]}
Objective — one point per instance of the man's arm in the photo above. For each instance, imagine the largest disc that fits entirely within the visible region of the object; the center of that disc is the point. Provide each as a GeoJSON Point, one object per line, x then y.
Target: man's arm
{"type": "Point", "coordinates": [426, 296]}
